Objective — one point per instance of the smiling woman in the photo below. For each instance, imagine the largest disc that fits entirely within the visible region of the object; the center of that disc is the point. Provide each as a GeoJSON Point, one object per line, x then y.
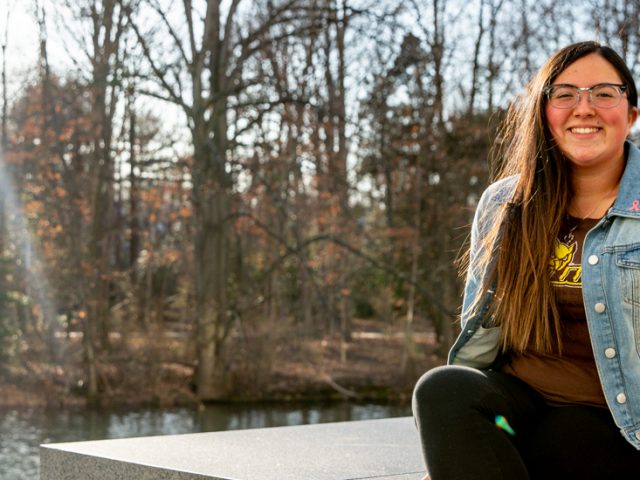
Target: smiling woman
{"type": "Point", "coordinates": [549, 344]}
{"type": "Point", "coordinates": [591, 132]}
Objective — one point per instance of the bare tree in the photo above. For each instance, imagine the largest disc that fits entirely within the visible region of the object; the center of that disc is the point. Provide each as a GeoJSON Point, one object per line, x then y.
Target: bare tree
{"type": "Point", "coordinates": [3, 148]}
{"type": "Point", "coordinates": [205, 78]}
{"type": "Point", "coordinates": [4, 43]}
{"type": "Point", "coordinates": [97, 27]}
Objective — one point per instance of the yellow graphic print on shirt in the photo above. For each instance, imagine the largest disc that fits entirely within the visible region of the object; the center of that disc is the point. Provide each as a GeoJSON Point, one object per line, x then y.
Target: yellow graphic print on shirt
{"type": "Point", "coordinates": [563, 271]}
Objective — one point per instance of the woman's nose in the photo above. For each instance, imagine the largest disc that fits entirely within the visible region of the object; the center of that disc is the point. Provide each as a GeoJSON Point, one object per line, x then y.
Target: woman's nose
{"type": "Point", "coordinates": [584, 103]}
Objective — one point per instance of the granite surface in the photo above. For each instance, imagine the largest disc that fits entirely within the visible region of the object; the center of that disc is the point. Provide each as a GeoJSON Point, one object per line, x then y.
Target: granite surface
{"type": "Point", "coordinates": [386, 449]}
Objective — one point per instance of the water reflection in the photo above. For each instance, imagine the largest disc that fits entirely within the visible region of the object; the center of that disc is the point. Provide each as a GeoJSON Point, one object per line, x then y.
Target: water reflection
{"type": "Point", "coordinates": [22, 431]}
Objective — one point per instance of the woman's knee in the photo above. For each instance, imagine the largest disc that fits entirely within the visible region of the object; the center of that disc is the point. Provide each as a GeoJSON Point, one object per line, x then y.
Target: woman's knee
{"type": "Point", "coordinates": [433, 384]}
{"type": "Point", "coordinates": [448, 380]}
{"type": "Point", "coordinates": [443, 387]}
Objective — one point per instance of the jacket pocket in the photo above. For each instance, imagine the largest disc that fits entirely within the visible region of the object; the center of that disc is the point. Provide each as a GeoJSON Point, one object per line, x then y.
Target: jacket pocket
{"type": "Point", "coordinates": [629, 263]}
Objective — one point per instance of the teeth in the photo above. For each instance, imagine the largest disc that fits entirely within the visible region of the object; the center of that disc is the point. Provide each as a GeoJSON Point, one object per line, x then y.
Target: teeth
{"type": "Point", "coordinates": [584, 130]}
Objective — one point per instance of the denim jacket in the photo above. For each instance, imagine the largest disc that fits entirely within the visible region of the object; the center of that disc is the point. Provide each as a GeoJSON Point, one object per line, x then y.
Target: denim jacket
{"type": "Point", "coordinates": [610, 291]}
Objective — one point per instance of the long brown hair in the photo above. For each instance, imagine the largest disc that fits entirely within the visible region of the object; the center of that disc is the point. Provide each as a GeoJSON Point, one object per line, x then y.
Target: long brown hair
{"type": "Point", "coordinates": [523, 303]}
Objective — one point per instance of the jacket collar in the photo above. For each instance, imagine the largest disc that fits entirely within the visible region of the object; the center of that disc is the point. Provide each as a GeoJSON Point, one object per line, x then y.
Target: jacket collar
{"type": "Point", "coordinates": [628, 201]}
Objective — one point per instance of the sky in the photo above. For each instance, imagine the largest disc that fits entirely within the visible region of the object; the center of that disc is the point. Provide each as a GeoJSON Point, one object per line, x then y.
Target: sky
{"type": "Point", "coordinates": [21, 37]}
{"type": "Point", "coordinates": [22, 32]}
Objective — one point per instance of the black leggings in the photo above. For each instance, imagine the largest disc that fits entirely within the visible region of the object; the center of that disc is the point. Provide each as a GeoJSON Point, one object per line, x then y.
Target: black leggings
{"type": "Point", "coordinates": [455, 410]}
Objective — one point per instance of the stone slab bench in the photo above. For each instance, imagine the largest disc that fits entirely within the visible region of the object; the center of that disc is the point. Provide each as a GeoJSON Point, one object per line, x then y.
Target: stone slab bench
{"type": "Point", "coordinates": [387, 449]}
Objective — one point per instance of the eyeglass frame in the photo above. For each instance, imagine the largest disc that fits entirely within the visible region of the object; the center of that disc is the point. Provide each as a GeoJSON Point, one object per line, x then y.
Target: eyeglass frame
{"type": "Point", "coordinates": [622, 88]}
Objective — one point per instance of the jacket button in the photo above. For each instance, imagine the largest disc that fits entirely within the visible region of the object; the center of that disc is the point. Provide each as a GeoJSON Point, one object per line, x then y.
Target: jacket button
{"type": "Point", "coordinates": [593, 259]}
{"type": "Point", "coordinates": [599, 307]}
{"type": "Point", "coordinates": [638, 435]}
{"type": "Point", "coordinates": [610, 352]}
{"type": "Point", "coordinates": [621, 398]}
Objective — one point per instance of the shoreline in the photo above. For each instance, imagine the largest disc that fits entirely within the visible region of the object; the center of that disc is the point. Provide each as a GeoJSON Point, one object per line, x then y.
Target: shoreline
{"type": "Point", "coordinates": [366, 369]}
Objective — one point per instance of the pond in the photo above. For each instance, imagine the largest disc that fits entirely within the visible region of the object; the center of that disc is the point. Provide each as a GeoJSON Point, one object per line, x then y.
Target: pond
{"type": "Point", "coordinates": [23, 430]}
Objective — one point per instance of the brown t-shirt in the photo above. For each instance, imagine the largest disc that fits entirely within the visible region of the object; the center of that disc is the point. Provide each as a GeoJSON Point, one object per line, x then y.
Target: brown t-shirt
{"type": "Point", "coordinates": [571, 377]}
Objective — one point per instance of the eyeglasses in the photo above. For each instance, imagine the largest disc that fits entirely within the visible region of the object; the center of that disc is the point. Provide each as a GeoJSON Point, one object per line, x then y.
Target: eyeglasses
{"type": "Point", "coordinates": [602, 95]}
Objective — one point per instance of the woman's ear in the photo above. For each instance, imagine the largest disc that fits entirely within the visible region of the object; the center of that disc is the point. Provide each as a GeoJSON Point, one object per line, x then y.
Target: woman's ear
{"type": "Point", "coordinates": [633, 116]}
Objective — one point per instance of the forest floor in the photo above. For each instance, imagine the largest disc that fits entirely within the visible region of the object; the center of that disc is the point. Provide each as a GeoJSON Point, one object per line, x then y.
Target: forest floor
{"type": "Point", "coordinates": [155, 369]}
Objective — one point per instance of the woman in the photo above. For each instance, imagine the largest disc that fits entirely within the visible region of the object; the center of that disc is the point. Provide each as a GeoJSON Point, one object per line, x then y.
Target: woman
{"type": "Point", "coordinates": [544, 380]}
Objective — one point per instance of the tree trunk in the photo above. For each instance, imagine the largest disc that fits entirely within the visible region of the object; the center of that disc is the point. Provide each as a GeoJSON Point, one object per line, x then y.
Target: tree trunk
{"type": "Point", "coordinates": [90, 359]}
{"type": "Point", "coordinates": [476, 61]}
{"type": "Point", "coordinates": [3, 148]}
{"type": "Point", "coordinates": [409, 352]}
{"type": "Point", "coordinates": [211, 212]}
{"type": "Point", "coordinates": [211, 215]}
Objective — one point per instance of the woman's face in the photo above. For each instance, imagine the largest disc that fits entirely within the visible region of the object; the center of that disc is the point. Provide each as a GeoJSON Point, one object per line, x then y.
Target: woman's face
{"type": "Point", "coordinates": [590, 137]}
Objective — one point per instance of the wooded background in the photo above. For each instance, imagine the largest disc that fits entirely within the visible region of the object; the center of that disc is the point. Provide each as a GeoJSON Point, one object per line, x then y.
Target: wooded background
{"type": "Point", "coordinates": [250, 168]}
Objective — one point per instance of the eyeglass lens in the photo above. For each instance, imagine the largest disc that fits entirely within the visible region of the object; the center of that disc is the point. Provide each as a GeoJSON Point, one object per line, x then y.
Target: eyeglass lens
{"type": "Point", "coordinates": [567, 96]}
